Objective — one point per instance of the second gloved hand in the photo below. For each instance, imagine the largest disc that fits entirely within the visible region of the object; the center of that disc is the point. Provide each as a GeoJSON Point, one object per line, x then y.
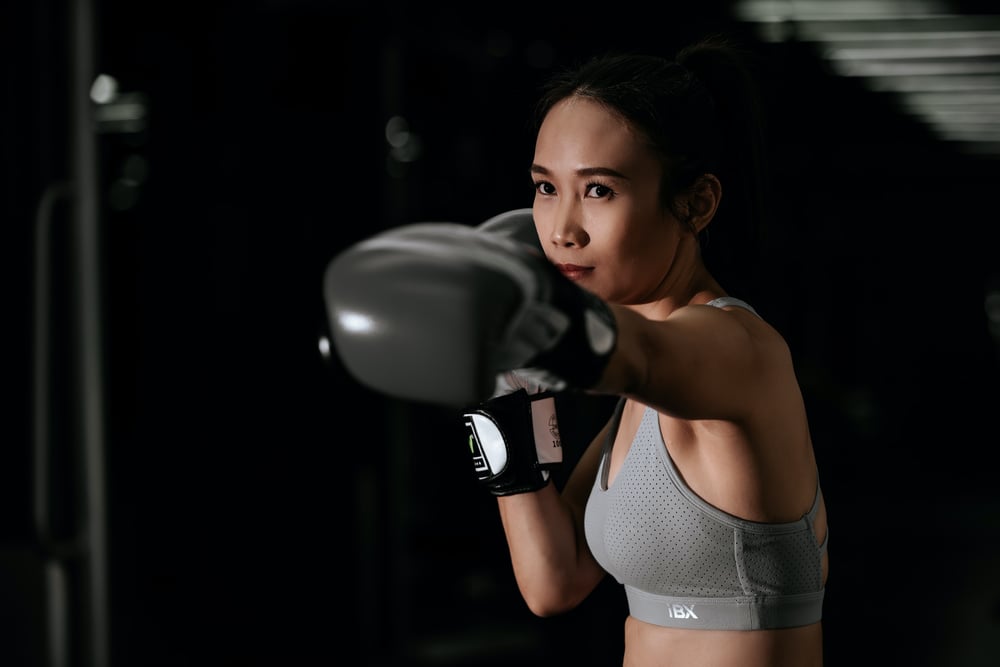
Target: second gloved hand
{"type": "Point", "coordinates": [514, 436]}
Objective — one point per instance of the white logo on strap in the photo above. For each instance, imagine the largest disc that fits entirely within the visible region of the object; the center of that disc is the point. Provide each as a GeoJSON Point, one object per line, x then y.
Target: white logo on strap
{"type": "Point", "coordinates": [681, 611]}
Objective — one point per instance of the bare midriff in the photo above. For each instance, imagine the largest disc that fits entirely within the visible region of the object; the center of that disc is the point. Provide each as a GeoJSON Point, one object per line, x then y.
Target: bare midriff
{"type": "Point", "coordinates": [649, 645]}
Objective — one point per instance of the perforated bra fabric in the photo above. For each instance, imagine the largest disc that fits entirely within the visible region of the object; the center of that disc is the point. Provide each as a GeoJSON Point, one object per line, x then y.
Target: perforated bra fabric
{"type": "Point", "coordinates": [685, 563]}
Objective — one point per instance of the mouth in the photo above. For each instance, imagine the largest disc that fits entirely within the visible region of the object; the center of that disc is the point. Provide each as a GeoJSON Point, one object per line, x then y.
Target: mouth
{"type": "Point", "coordinates": [574, 272]}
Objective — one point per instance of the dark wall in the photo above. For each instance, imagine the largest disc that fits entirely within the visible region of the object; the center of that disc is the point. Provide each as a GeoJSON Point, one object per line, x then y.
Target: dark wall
{"type": "Point", "coordinates": [265, 507]}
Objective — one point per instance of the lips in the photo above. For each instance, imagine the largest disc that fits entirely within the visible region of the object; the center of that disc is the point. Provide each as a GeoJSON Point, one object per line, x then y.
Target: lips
{"type": "Point", "coordinates": [573, 271]}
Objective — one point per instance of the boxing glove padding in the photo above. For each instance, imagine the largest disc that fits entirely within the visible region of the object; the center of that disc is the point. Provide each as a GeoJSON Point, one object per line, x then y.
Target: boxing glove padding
{"type": "Point", "coordinates": [434, 311]}
{"type": "Point", "coordinates": [514, 441]}
{"type": "Point", "coordinates": [518, 224]}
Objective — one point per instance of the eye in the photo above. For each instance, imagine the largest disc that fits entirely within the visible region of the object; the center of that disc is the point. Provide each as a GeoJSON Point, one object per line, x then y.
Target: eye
{"type": "Point", "coordinates": [544, 188]}
{"type": "Point", "coordinates": [599, 190]}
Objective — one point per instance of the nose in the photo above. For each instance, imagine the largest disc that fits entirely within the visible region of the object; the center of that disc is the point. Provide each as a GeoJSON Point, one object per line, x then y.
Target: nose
{"type": "Point", "coordinates": [566, 230]}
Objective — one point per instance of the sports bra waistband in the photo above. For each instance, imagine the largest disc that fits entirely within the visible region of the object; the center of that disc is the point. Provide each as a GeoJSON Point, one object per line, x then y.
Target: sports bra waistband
{"type": "Point", "coordinates": [733, 613]}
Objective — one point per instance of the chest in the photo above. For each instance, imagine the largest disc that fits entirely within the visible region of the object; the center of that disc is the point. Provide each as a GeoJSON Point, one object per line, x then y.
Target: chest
{"type": "Point", "coordinates": [679, 437]}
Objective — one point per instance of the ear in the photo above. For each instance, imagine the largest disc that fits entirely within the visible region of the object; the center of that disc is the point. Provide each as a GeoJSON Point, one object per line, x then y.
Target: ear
{"type": "Point", "coordinates": [703, 201]}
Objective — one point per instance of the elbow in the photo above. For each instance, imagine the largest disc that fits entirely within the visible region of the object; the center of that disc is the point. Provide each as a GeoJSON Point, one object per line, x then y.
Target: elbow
{"type": "Point", "coordinates": [550, 602]}
{"type": "Point", "coordinates": [545, 609]}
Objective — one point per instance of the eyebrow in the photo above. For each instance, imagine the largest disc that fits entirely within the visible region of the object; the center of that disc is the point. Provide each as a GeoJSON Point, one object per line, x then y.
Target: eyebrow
{"type": "Point", "coordinates": [587, 171]}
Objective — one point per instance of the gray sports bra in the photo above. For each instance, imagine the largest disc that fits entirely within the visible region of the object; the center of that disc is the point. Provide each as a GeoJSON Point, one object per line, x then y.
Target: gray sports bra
{"type": "Point", "coordinates": [685, 563]}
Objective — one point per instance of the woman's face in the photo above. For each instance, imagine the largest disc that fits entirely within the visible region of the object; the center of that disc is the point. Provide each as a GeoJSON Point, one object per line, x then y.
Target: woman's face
{"type": "Point", "coordinates": [597, 208]}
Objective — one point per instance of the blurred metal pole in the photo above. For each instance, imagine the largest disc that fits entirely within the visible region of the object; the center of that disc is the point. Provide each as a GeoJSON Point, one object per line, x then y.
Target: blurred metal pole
{"type": "Point", "coordinates": [55, 603]}
{"type": "Point", "coordinates": [87, 318]}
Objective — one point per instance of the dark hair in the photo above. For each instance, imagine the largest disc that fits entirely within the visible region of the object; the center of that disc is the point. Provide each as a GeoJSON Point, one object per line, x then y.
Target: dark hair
{"type": "Point", "coordinates": [700, 113]}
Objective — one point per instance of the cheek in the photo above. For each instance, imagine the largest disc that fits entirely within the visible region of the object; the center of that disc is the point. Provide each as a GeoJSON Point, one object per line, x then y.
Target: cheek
{"type": "Point", "coordinates": [638, 261]}
{"type": "Point", "coordinates": [625, 262]}
{"type": "Point", "coordinates": [639, 245]}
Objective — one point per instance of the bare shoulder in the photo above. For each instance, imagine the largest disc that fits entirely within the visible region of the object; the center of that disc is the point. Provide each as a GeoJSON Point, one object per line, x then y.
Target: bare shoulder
{"type": "Point", "coordinates": [701, 362]}
{"type": "Point", "coordinates": [728, 326]}
{"type": "Point", "coordinates": [740, 320]}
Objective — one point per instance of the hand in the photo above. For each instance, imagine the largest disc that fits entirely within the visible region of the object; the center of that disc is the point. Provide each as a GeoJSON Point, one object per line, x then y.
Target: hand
{"type": "Point", "coordinates": [514, 441]}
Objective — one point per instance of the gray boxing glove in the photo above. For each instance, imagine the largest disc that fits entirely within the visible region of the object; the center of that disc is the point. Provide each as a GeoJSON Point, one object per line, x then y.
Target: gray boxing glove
{"type": "Point", "coordinates": [518, 225]}
{"type": "Point", "coordinates": [433, 312]}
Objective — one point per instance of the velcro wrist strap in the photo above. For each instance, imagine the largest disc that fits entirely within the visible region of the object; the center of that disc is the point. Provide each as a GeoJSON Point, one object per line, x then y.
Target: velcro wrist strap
{"type": "Point", "coordinates": [545, 430]}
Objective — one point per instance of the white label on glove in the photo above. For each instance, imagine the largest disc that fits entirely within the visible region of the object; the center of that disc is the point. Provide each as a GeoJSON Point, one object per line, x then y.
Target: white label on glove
{"type": "Point", "coordinates": [486, 443]}
{"type": "Point", "coordinates": [546, 430]}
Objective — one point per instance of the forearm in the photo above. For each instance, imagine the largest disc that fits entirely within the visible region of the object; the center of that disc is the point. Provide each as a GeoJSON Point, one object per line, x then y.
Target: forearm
{"type": "Point", "coordinates": [552, 564]}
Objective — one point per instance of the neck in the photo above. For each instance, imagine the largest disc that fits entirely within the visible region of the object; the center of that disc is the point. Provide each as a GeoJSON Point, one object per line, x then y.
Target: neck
{"type": "Point", "coordinates": [687, 282]}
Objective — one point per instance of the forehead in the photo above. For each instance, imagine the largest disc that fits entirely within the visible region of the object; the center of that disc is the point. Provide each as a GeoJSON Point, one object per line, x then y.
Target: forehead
{"type": "Point", "coordinates": [579, 132]}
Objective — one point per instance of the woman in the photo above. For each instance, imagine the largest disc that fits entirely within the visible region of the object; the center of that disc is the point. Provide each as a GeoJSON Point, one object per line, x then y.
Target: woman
{"type": "Point", "coordinates": [701, 496]}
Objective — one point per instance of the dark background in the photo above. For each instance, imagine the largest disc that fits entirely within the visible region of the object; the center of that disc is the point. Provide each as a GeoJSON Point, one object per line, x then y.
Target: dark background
{"type": "Point", "coordinates": [263, 508]}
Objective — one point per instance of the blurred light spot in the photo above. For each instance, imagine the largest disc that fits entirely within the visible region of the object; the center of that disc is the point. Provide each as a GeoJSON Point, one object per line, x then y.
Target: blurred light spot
{"type": "Point", "coordinates": [355, 322]}
{"type": "Point", "coordinates": [405, 146]}
{"type": "Point", "coordinates": [397, 131]}
{"type": "Point", "coordinates": [117, 113]}
{"type": "Point", "coordinates": [911, 47]}
{"type": "Point", "coordinates": [126, 113]}
{"type": "Point", "coordinates": [955, 83]}
{"type": "Point", "coordinates": [831, 10]}
{"type": "Point", "coordinates": [409, 151]}
{"type": "Point", "coordinates": [104, 89]}
{"type": "Point", "coordinates": [324, 347]}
